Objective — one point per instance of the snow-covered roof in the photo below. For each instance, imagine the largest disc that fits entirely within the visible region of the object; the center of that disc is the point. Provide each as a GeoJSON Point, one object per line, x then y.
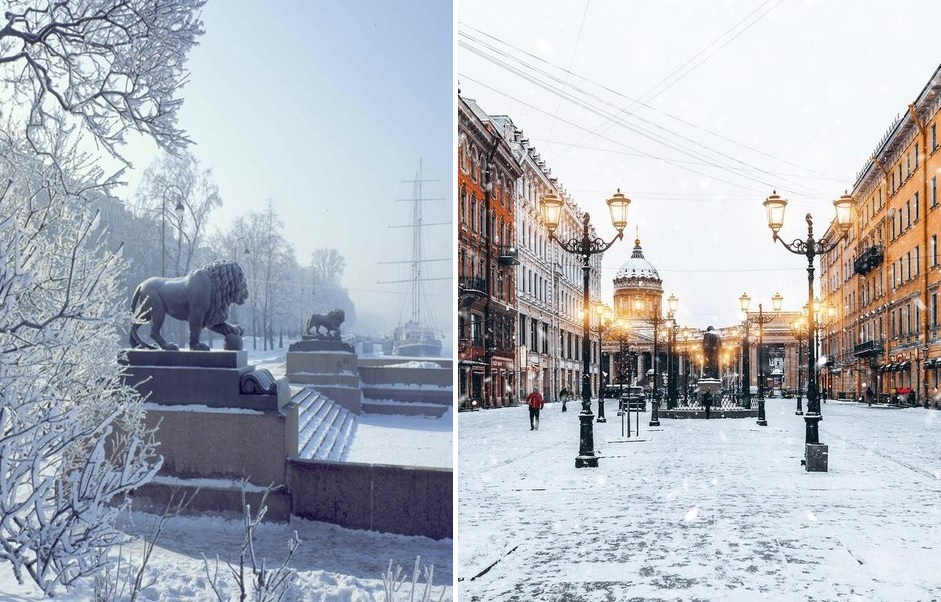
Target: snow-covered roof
{"type": "Point", "coordinates": [637, 266]}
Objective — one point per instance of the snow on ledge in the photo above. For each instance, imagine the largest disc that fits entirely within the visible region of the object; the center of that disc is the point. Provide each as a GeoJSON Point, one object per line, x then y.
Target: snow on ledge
{"type": "Point", "coordinates": [207, 484]}
{"type": "Point", "coordinates": [414, 364]}
{"type": "Point", "coordinates": [199, 408]}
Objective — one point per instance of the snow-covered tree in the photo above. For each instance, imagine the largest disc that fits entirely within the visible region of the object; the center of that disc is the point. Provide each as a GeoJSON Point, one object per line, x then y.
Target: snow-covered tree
{"type": "Point", "coordinates": [172, 180]}
{"type": "Point", "coordinates": [72, 440]}
{"type": "Point", "coordinates": [327, 267]}
{"type": "Point", "coordinates": [108, 66]}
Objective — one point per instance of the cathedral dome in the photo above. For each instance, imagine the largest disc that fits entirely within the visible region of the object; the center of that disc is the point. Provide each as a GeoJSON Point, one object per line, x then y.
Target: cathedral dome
{"type": "Point", "coordinates": [637, 266]}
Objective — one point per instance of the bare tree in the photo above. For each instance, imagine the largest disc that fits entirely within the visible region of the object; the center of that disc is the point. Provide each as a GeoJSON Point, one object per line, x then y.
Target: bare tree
{"type": "Point", "coordinates": [111, 66]}
{"type": "Point", "coordinates": [72, 440]}
{"type": "Point", "coordinates": [168, 181]}
{"type": "Point", "coordinates": [269, 264]}
{"type": "Point", "coordinates": [328, 267]}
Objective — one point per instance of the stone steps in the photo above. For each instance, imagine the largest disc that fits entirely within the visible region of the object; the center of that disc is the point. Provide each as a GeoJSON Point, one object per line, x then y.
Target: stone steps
{"type": "Point", "coordinates": [404, 408]}
{"type": "Point", "coordinates": [325, 429]}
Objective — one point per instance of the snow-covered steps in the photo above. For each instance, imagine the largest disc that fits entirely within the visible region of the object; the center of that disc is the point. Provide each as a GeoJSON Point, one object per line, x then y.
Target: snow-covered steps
{"type": "Point", "coordinates": [404, 408]}
{"type": "Point", "coordinates": [325, 429]}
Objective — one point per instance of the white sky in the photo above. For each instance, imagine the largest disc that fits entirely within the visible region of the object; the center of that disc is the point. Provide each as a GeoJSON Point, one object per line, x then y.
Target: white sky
{"type": "Point", "coordinates": [795, 95]}
{"type": "Point", "coordinates": [326, 107]}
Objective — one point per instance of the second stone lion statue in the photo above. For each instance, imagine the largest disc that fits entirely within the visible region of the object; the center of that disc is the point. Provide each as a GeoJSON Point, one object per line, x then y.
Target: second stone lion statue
{"type": "Point", "coordinates": [201, 299]}
{"type": "Point", "coordinates": [330, 321]}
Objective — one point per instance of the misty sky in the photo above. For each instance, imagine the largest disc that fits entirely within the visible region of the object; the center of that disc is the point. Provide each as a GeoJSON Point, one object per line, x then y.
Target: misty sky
{"type": "Point", "coordinates": [326, 107]}
{"type": "Point", "coordinates": [722, 103]}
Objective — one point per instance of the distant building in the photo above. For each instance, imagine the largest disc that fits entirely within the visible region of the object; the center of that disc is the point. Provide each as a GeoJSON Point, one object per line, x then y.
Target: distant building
{"type": "Point", "coordinates": [515, 285]}
{"type": "Point", "coordinates": [487, 174]}
{"type": "Point", "coordinates": [883, 280]}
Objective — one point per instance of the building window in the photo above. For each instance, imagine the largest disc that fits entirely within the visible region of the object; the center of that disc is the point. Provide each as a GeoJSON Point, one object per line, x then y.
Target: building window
{"type": "Point", "coordinates": [934, 138]}
{"type": "Point", "coordinates": [477, 331]}
{"type": "Point", "coordinates": [934, 191]}
{"type": "Point", "coordinates": [933, 250]}
{"type": "Point", "coordinates": [917, 260]}
{"type": "Point", "coordinates": [934, 310]}
{"type": "Point", "coordinates": [916, 206]}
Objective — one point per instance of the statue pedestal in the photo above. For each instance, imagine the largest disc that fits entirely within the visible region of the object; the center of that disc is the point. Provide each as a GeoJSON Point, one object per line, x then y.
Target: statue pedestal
{"type": "Point", "coordinates": [218, 421]}
{"type": "Point", "coordinates": [328, 365]}
{"type": "Point", "coordinates": [708, 385]}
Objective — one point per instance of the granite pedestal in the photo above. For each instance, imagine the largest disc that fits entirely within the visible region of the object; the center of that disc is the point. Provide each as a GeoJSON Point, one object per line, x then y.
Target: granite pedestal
{"type": "Point", "coordinates": [328, 365]}
{"type": "Point", "coordinates": [218, 421]}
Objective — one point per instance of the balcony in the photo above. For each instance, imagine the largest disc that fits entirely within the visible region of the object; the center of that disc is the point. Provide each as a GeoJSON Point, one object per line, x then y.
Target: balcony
{"type": "Point", "coordinates": [869, 260]}
{"type": "Point", "coordinates": [509, 255]}
{"type": "Point", "coordinates": [868, 349]}
{"type": "Point", "coordinates": [470, 289]}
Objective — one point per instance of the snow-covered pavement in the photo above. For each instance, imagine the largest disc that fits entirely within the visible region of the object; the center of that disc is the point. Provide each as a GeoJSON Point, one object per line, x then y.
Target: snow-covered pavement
{"type": "Point", "coordinates": [700, 510]}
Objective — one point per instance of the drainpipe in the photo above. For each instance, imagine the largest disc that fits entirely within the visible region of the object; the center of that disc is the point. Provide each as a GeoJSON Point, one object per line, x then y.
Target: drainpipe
{"type": "Point", "coordinates": [923, 210]}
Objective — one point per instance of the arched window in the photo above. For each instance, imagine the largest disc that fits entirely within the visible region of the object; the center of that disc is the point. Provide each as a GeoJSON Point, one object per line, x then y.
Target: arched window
{"type": "Point", "coordinates": [463, 205]}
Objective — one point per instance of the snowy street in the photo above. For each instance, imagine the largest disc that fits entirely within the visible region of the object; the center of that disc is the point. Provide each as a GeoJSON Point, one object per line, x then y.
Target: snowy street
{"type": "Point", "coordinates": [700, 510]}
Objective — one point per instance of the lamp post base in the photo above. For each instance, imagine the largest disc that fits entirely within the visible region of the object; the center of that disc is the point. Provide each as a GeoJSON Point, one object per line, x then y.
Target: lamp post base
{"type": "Point", "coordinates": [816, 457]}
{"type": "Point", "coordinates": [654, 415]}
{"type": "Point", "coordinates": [601, 417]}
{"type": "Point", "coordinates": [586, 461]}
{"type": "Point", "coordinates": [762, 421]}
{"type": "Point", "coordinates": [586, 442]}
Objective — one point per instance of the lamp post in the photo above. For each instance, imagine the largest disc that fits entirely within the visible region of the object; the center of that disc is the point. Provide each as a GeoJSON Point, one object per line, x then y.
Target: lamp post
{"type": "Point", "coordinates": [605, 315]}
{"type": "Point", "coordinates": [586, 246]}
{"type": "Point", "coordinates": [655, 319]}
{"type": "Point", "coordinates": [799, 332]}
{"type": "Point", "coordinates": [823, 316]}
{"type": "Point", "coordinates": [622, 335]}
{"type": "Point", "coordinates": [685, 337]}
{"type": "Point", "coordinates": [736, 383]}
{"type": "Point", "coordinates": [815, 458]}
{"type": "Point", "coordinates": [671, 361]}
{"type": "Point", "coordinates": [760, 320]}
{"type": "Point", "coordinates": [163, 225]}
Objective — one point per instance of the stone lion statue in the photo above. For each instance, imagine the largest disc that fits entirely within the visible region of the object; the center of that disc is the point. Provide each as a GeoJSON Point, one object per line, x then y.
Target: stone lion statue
{"type": "Point", "coordinates": [330, 321]}
{"type": "Point", "coordinates": [201, 298]}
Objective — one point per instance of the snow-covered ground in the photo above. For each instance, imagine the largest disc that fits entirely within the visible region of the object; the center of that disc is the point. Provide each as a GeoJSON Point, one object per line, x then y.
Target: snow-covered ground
{"type": "Point", "coordinates": [700, 510]}
{"type": "Point", "coordinates": [333, 563]}
{"type": "Point", "coordinates": [404, 440]}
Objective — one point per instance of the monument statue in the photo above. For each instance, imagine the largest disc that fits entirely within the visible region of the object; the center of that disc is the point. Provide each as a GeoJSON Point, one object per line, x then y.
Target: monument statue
{"type": "Point", "coordinates": [711, 343]}
{"type": "Point", "coordinates": [329, 321]}
{"type": "Point", "coordinates": [201, 298]}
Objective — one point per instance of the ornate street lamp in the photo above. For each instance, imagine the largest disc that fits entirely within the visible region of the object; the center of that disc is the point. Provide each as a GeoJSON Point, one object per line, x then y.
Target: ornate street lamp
{"type": "Point", "coordinates": [761, 320]}
{"type": "Point", "coordinates": [656, 320]}
{"type": "Point", "coordinates": [685, 338]}
{"type": "Point", "coordinates": [815, 454]}
{"type": "Point", "coordinates": [163, 228]}
{"type": "Point", "coordinates": [824, 313]}
{"type": "Point", "coordinates": [605, 316]}
{"type": "Point", "coordinates": [586, 246]}
{"type": "Point", "coordinates": [622, 335]}
{"type": "Point", "coordinates": [799, 332]}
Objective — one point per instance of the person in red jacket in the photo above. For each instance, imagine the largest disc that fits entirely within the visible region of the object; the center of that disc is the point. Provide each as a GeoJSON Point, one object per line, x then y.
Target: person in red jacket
{"type": "Point", "coordinates": [535, 402]}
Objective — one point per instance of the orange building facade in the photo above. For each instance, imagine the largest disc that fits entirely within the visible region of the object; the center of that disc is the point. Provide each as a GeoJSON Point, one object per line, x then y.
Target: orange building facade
{"type": "Point", "coordinates": [884, 278]}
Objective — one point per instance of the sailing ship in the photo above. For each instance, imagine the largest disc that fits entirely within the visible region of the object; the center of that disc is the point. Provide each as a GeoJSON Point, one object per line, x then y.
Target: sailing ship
{"type": "Point", "coordinates": [417, 335]}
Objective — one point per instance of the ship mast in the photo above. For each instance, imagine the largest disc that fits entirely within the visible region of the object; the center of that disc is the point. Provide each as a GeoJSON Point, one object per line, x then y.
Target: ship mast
{"type": "Point", "coordinates": [417, 291]}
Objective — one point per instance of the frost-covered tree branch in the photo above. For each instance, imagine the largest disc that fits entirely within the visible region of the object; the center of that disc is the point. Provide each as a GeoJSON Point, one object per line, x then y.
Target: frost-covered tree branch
{"type": "Point", "coordinates": [113, 65]}
{"type": "Point", "coordinates": [72, 440]}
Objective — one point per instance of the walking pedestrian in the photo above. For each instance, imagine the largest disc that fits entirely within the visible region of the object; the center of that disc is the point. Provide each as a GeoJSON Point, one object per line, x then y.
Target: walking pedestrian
{"type": "Point", "coordinates": [535, 402]}
{"type": "Point", "coordinates": [707, 403]}
{"type": "Point", "coordinates": [869, 396]}
{"type": "Point", "coordinates": [564, 397]}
